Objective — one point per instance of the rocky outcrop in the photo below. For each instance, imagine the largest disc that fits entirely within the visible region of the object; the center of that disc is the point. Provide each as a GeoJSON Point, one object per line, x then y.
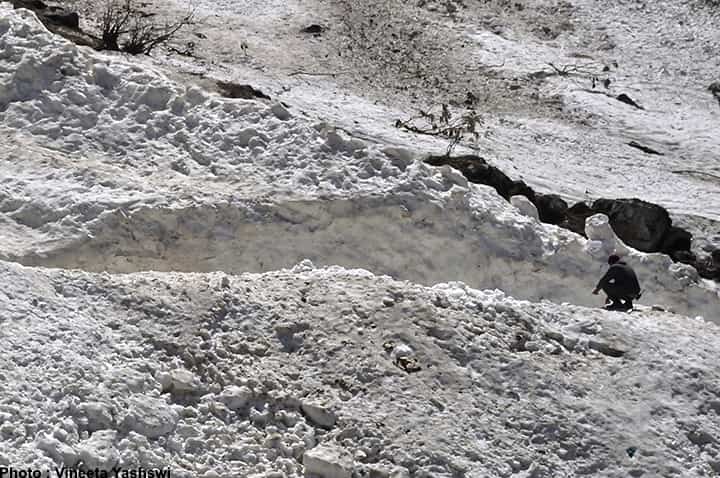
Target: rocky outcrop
{"type": "Point", "coordinates": [639, 224]}
{"type": "Point", "coordinates": [642, 225]}
{"type": "Point", "coordinates": [477, 170]}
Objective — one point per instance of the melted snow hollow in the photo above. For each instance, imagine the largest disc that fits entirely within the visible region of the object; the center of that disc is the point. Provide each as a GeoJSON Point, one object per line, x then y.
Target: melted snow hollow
{"type": "Point", "coordinates": [142, 350]}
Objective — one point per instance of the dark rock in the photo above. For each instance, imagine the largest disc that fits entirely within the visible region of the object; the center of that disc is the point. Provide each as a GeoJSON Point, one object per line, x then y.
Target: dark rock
{"type": "Point", "coordinates": [314, 29]}
{"type": "Point", "coordinates": [63, 18]}
{"type": "Point", "coordinates": [676, 239]}
{"type": "Point", "coordinates": [639, 224]}
{"type": "Point", "coordinates": [478, 171]}
{"type": "Point", "coordinates": [644, 149]}
{"type": "Point", "coordinates": [714, 88]}
{"type": "Point", "coordinates": [246, 92]}
{"type": "Point", "coordinates": [575, 218]}
{"type": "Point", "coordinates": [685, 257]}
{"type": "Point", "coordinates": [709, 267]}
{"type": "Point", "coordinates": [551, 208]}
{"type": "Point", "coordinates": [69, 19]}
{"type": "Point", "coordinates": [33, 4]}
{"type": "Point", "coordinates": [622, 97]}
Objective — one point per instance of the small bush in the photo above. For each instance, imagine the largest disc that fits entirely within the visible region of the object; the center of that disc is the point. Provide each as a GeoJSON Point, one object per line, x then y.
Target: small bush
{"type": "Point", "coordinates": [445, 125]}
{"type": "Point", "coordinates": [139, 32]}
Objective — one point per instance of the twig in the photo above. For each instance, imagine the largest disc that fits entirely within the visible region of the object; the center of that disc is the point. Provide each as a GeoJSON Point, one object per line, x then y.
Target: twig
{"type": "Point", "coordinates": [690, 171]}
{"type": "Point", "coordinates": [313, 73]}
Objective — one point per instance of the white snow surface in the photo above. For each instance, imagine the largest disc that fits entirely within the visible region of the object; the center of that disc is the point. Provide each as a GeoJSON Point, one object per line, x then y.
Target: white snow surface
{"type": "Point", "coordinates": [113, 166]}
{"type": "Point", "coordinates": [220, 286]}
{"type": "Point", "coordinates": [382, 60]}
{"type": "Point", "coordinates": [213, 375]}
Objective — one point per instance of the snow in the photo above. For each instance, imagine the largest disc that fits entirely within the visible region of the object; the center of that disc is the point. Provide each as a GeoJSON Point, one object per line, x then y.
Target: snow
{"type": "Point", "coordinates": [105, 197]}
{"type": "Point", "coordinates": [586, 384]}
{"type": "Point", "coordinates": [558, 134]}
{"type": "Point", "coordinates": [235, 288]}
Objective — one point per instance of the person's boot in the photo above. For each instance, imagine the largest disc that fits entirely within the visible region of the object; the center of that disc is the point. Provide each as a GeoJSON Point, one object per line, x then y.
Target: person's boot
{"type": "Point", "coordinates": [617, 305]}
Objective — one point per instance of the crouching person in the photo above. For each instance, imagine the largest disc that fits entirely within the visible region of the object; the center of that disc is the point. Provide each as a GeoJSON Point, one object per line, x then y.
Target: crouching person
{"type": "Point", "coordinates": [620, 284]}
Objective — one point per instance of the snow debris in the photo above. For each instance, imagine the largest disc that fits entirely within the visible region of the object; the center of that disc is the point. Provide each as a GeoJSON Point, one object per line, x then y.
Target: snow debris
{"type": "Point", "coordinates": [327, 461]}
{"type": "Point", "coordinates": [602, 240]}
{"type": "Point", "coordinates": [320, 415]}
{"type": "Point", "coordinates": [525, 206]}
{"type": "Point", "coordinates": [99, 450]}
{"type": "Point", "coordinates": [149, 416]}
{"type": "Point", "coordinates": [220, 288]}
{"type": "Point", "coordinates": [566, 380]}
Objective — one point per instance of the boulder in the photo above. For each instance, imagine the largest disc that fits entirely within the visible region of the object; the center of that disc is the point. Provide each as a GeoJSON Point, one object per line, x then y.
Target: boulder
{"type": "Point", "coordinates": [478, 171]}
{"type": "Point", "coordinates": [638, 223]}
{"type": "Point", "coordinates": [551, 208]}
{"type": "Point", "coordinates": [686, 257]}
{"type": "Point", "coordinates": [675, 240]}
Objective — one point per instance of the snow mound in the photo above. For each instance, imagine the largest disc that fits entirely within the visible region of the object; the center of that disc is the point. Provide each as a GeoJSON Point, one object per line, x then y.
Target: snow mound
{"type": "Point", "coordinates": [112, 166]}
{"type": "Point", "coordinates": [194, 372]}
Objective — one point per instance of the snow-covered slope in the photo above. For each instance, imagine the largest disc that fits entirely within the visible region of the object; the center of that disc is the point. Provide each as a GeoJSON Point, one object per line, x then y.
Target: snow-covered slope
{"type": "Point", "coordinates": [216, 375]}
{"type": "Point", "coordinates": [382, 60]}
{"type": "Point", "coordinates": [112, 166]}
{"type": "Point", "coordinates": [157, 309]}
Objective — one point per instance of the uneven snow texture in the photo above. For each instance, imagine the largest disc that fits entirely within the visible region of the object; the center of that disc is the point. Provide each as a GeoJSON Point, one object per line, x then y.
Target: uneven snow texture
{"type": "Point", "coordinates": [109, 166]}
{"type": "Point", "coordinates": [213, 375]}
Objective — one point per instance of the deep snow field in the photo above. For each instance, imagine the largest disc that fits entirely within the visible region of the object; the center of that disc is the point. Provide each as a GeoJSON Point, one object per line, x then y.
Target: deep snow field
{"type": "Point", "coordinates": [231, 288]}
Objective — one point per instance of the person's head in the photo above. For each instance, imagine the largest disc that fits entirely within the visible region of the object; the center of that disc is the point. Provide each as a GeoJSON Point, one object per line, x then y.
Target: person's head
{"type": "Point", "coordinates": [614, 258]}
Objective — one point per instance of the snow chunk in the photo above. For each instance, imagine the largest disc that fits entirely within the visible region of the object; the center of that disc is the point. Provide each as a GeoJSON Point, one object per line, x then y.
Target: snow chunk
{"type": "Point", "coordinates": [684, 273]}
{"type": "Point", "coordinates": [320, 415]}
{"type": "Point", "coordinates": [98, 415]}
{"type": "Point", "coordinates": [602, 239]}
{"type": "Point", "coordinates": [180, 381]}
{"type": "Point", "coordinates": [306, 265]}
{"type": "Point", "coordinates": [280, 112]}
{"type": "Point", "coordinates": [328, 461]}
{"type": "Point", "coordinates": [525, 207]}
{"type": "Point", "coordinates": [236, 398]}
{"type": "Point", "coordinates": [151, 417]}
{"type": "Point", "coordinates": [99, 450]}
{"type": "Point", "coordinates": [60, 452]}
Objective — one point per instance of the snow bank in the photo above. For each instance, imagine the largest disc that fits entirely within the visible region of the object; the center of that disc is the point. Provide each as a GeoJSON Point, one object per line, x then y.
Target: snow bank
{"type": "Point", "coordinates": [192, 372]}
{"type": "Point", "coordinates": [112, 166]}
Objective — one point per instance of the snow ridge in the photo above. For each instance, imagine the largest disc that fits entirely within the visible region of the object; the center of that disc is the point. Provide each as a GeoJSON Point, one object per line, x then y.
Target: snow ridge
{"type": "Point", "coordinates": [128, 157]}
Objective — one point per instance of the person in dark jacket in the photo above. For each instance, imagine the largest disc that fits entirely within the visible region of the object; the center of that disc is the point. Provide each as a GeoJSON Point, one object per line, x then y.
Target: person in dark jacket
{"type": "Point", "coordinates": [620, 284]}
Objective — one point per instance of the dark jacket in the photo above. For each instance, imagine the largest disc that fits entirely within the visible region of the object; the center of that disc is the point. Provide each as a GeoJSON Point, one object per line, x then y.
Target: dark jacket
{"type": "Point", "coordinates": [620, 280]}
